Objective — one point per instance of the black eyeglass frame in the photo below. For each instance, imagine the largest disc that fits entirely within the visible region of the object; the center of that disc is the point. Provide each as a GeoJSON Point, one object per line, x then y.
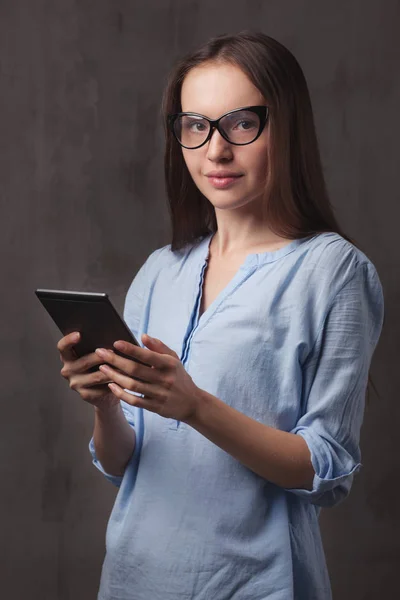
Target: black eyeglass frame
{"type": "Point", "coordinates": [261, 111]}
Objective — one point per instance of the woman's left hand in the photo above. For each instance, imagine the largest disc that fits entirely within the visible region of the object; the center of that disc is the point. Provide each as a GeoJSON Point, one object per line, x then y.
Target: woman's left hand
{"type": "Point", "coordinates": [167, 388]}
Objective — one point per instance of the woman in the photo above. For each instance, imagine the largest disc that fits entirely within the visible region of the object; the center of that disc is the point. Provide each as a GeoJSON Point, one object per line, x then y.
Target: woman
{"type": "Point", "coordinates": [246, 419]}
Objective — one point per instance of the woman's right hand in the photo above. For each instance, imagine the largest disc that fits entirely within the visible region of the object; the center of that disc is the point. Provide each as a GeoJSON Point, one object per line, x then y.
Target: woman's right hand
{"type": "Point", "coordinates": [91, 386]}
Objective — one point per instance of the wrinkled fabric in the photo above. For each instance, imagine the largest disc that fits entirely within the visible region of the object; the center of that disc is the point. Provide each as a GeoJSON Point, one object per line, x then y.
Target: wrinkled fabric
{"type": "Point", "coordinates": [288, 342]}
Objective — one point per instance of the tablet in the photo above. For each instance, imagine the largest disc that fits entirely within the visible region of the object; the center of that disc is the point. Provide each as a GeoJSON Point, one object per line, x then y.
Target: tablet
{"type": "Point", "coordinates": [92, 314]}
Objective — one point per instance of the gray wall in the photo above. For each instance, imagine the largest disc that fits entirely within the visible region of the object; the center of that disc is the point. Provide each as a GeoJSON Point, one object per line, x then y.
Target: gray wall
{"type": "Point", "coordinates": [82, 205]}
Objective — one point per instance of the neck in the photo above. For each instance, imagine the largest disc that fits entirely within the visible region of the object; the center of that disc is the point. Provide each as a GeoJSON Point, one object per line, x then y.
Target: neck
{"type": "Point", "coordinates": [243, 234]}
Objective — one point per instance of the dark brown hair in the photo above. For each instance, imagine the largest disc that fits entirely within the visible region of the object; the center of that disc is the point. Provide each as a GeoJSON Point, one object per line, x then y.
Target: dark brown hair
{"type": "Point", "coordinates": [296, 199]}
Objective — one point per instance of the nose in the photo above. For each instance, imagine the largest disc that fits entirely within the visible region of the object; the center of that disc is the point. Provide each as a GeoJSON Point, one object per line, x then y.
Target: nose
{"type": "Point", "coordinates": [218, 148]}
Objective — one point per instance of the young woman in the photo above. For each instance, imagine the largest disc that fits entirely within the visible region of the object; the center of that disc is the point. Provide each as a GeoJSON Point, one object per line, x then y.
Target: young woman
{"type": "Point", "coordinates": [245, 419]}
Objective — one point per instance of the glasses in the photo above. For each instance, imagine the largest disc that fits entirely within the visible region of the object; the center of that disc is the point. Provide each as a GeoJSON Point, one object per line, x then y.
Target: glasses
{"type": "Point", "coordinates": [240, 127]}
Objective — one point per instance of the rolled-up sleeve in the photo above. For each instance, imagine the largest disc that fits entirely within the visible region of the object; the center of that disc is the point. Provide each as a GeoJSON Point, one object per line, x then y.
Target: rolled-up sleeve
{"type": "Point", "coordinates": [133, 310]}
{"type": "Point", "coordinates": [128, 412]}
{"type": "Point", "coordinates": [335, 378]}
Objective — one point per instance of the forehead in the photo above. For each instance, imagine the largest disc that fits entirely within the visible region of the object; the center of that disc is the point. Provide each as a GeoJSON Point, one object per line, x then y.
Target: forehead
{"type": "Point", "coordinates": [214, 89]}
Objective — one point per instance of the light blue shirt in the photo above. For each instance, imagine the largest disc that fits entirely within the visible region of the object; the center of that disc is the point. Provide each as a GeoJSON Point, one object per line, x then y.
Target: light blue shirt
{"type": "Point", "coordinates": [288, 342]}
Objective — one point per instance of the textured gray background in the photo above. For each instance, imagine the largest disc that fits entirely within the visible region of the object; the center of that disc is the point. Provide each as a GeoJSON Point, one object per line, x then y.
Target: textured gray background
{"type": "Point", "coordinates": [82, 205]}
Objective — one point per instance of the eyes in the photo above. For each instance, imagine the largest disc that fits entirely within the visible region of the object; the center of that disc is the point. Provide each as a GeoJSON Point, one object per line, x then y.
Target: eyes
{"type": "Point", "coordinates": [196, 126]}
{"type": "Point", "coordinates": [200, 126]}
{"type": "Point", "coordinates": [240, 127]}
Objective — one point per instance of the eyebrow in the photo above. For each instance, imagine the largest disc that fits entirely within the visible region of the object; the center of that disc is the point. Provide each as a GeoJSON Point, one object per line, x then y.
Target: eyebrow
{"type": "Point", "coordinates": [193, 112]}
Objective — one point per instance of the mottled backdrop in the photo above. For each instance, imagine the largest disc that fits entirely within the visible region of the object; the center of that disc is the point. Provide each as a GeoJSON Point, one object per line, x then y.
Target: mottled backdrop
{"type": "Point", "coordinates": [83, 204]}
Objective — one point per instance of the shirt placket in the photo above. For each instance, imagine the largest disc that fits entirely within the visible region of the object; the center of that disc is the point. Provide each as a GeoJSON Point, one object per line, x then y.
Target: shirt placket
{"type": "Point", "coordinates": [245, 271]}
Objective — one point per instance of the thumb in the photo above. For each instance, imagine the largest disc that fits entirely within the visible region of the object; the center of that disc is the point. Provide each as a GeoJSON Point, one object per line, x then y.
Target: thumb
{"type": "Point", "coordinates": [157, 345]}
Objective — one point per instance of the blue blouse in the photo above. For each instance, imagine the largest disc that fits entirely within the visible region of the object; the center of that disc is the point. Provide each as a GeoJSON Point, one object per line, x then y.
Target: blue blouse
{"type": "Point", "coordinates": [288, 342]}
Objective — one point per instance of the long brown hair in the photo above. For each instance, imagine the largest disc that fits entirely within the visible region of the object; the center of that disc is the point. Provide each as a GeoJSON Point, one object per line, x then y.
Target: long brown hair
{"type": "Point", "coordinates": [296, 198]}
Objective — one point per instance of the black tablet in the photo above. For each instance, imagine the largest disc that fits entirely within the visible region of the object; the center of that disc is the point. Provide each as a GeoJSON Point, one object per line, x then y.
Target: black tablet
{"type": "Point", "coordinates": [92, 314]}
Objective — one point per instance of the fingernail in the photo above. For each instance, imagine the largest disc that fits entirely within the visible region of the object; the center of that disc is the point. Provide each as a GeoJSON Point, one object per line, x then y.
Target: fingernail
{"type": "Point", "coordinates": [101, 352]}
{"type": "Point", "coordinates": [76, 337]}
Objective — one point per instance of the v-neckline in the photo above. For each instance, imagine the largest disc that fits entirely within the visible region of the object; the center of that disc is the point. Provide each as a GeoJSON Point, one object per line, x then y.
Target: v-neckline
{"type": "Point", "coordinates": [232, 283]}
{"type": "Point", "coordinates": [205, 266]}
{"type": "Point", "coordinates": [245, 270]}
{"type": "Point", "coordinates": [249, 265]}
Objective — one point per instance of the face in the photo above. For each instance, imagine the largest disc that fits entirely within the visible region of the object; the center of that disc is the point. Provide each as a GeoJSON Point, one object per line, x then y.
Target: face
{"type": "Point", "coordinates": [212, 90]}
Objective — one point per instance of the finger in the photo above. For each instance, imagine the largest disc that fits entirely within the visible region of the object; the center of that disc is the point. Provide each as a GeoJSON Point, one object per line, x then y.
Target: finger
{"type": "Point", "coordinates": [66, 344]}
{"type": "Point", "coordinates": [147, 402]}
{"type": "Point", "coordinates": [129, 367]}
{"type": "Point", "coordinates": [83, 364]}
{"type": "Point", "coordinates": [157, 346]}
{"type": "Point", "coordinates": [125, 382]}
{"type": "Point", "coordinates": [80, 365]}
{"type": "Point", "coordinates": [153, 359]}
{"type": "Point", "coordinates": [88, 380]}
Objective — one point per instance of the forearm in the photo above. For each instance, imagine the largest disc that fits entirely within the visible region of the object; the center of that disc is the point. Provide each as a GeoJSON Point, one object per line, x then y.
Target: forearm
{"type": "Point", "coordinates": [114, 439]}
{"type": "Point", "coordinates": [280, 457]}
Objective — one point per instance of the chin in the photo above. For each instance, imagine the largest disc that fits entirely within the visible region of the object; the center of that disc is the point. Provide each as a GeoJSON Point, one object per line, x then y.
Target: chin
{"type": "Point", "coordinates": [228, 203]}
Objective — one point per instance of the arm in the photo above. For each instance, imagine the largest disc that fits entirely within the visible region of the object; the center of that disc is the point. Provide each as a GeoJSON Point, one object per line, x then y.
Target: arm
{"type": "Point", "coordinates": [318, 458]}
{"type": "Point", "coordinates": [113, 439]}
{"type": "Point", "coordinates": [282, 458]}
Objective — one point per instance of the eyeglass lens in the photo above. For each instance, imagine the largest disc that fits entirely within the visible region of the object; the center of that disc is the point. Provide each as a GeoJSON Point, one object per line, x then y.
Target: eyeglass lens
{"type": "Point", "coordinates": [240, 127]}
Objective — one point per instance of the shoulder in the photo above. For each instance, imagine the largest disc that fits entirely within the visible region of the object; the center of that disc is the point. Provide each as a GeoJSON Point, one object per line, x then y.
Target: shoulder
{"type": "Point", "coordinates": [335, 273]}
{"type": "Point", "coordinates": [140, 289]}
{"type": "Point", "coordinates": [160, 267]}
{"type": "Point", "coordinates": [329, 249]}
{"type": "Point", "coordinates": [165, 260]}
{"type": "Point", "coordinates": [336, 261]}
{"type": "Point", "coordinates": [338, 279]}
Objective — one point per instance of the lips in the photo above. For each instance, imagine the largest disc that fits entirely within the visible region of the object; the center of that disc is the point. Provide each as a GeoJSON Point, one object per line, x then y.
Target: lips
{"type": "Point", "coordinates": [223, 174]}
{"type": "Point", "coordinates": [222, 182]}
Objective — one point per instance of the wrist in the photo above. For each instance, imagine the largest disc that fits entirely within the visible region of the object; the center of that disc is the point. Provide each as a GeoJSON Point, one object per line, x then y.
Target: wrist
{"type": "Point", "coordinates": [107, 410]}
{"type": "Point", "coordinates": [201, 398]}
